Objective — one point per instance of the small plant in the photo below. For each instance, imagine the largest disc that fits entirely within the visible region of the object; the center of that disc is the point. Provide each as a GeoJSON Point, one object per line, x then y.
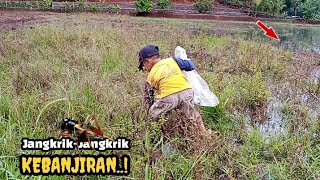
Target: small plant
{"type": "Point", "coordinates": [203, 6]}
{"type": "Point", "coordinates": [19, 5]}
{"type": "Point", "coordinates": [114, 8]}
{"type": "Point", "coordinates": [93, 7]}
{"type": "Point", "coordinates": [28, 5]}
{"type": "Point", "coordinates": [101, 3]}
{"type": "Point", "coordinates": [66, 7]}
{"type": "Point", "coordinates": [2, 4]}
{"type": "Point", "coordinates": [143, 6]}
{"type": "Point", "coordinates": [37, 5]}
{"type": "Point", "coordinates": [163, 4]}
{"type": "Point", "coordinates": [47, 4]}
{"type": "Point", "coordinates": [80, 5]}
{"type": "Point", "coordinates": [14, 4]}
{"type": "Point", "coordinates": [9, 4]}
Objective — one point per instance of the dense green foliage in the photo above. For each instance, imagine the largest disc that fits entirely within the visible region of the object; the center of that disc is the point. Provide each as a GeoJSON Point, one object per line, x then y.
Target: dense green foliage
{"type": "Point", "coordinates": [203, 6]}
{"type": "Point", "coordinates": [45, 4]}
{"type": "Point", "coordinates": [274, 6]}
{"type": "Point", "coordinates": [143, 6]}
{"type": "Point", "coordinates": [114, 8]}
{"type": "Point", "coordinates": [309, 9]}
{"type": "Point", "coordinates": [163, 4]}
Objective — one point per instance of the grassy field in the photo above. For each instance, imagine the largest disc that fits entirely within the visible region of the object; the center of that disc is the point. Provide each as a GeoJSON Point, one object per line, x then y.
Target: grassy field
{"type": "Point", "coordinates": [88, 64]}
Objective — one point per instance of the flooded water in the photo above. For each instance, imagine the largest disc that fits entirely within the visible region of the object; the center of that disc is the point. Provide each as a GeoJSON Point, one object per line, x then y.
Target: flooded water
{"type": "Point", "coordinates": [295, 38]}
{"type": "Point", "coordinates": [292, 37]}
{"type": "Point", "coordinates": [275, 123]}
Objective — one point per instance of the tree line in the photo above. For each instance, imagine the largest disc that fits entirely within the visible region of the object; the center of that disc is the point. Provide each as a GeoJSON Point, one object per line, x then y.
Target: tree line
{"type": "Point", "coordinates": [309, 9]}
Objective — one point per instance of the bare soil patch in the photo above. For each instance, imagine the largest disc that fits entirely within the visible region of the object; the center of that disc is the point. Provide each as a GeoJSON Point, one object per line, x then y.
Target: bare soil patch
{"type": "Point", "coordinates": [11, 19]}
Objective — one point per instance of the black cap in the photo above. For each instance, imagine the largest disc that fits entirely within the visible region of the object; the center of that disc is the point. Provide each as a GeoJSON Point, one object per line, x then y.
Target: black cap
{"type": "Point", "coordinates": [146, 52]}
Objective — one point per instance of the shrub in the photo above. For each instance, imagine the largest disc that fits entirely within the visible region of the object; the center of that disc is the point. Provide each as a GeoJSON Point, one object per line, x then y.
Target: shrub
{"type": "Point", "coordinates": [143, 6]}
{"type": "Point", "coordinates": [28, 5]}
{"type": "Point", "coordinates": [47, 4]}
{"type": "Point", "coordinates": [37, 4]}
{"type": "Point", "coordinates": [3, 4]}
{"type": "Point", "coordinates": [203, 6]}
{"type": "Point", "coordinates": [256, 6]}
{"type": "Point", "coordinates": [114, 8]}
{"type": "Point", "coordinates": [163, 4]}
{"type": "Point", "coordinates": [67, 7]}
{"type": "Point", "coordinates": [93, 7]}
{"type": "Point", "coordinates": [80, 6]}
{"type": "Point", "coordinates": [19, 4]}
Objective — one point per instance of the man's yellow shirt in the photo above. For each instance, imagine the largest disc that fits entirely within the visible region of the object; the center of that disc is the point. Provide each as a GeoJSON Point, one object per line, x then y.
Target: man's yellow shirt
{"type": "Point", "coordinates": [167, 78]}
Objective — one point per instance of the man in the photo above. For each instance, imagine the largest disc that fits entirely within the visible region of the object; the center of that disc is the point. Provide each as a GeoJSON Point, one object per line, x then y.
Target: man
{"type": "Point", "coordinates": [172, 86]}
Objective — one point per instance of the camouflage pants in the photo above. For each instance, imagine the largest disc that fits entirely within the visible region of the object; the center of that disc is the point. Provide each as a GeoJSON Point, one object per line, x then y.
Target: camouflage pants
{"type": "Point", "coordinates": [181, 101]}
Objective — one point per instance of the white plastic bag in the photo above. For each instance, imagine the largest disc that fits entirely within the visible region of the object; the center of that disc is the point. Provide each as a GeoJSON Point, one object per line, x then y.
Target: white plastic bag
{"type": "Point", "coordinates": [203, 96]}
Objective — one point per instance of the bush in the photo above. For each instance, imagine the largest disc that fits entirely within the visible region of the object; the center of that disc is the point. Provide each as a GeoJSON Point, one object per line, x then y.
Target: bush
{"type": "Point", "coordinates": [143, 6]}
{"type": "Point", "coordinates": [114, 8]}
{"type": "Point", "coordinates": [80, 6]}
{"type": "Point", "coordinates": [19, 5]}
{"type": "Point", "coordinates": [163, 4]}
{"type": "Point", "coordinates": [203, 6]}
{"type": "Point", "coordinates": [272, 6]}
{"type": "Point", "coordinates": [47, 4]}
{"type": "Point", "coordinates": [3, 4]}
{"type": "Point", "coordinates": [93, 7]}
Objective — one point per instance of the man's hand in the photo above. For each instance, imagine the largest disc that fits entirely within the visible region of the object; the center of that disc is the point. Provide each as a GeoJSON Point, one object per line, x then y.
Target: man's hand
{"type": "Point", "coordinates": [148, 95]}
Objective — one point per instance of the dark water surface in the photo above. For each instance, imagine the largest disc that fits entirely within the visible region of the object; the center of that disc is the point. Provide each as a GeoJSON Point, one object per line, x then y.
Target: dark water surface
{"type": "Point", "coordinates": [294, 38]}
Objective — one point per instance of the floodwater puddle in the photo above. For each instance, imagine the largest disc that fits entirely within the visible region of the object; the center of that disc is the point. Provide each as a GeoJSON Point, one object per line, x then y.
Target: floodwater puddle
{"type": "Point", "coordinates": [275, 124]}
{"type": "Point", "coordinates": [297, 39]}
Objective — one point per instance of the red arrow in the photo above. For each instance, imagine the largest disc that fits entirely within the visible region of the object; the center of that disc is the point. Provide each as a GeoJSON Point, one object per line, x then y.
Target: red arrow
{"type": "Point", "coordinates": [268, 31]}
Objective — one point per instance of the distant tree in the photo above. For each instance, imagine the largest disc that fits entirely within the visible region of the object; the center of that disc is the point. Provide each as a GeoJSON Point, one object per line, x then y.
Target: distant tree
{"type": "Point", "coordinates": [275, 6]}
{"type": "Point", "coordinates": [292, 6]}
{"type": "Point", "coordinates": [310, 8]}
{"type": "Point", "coordinates": [255, 6]}
{"type": "Point", "coordinates": [248, 3]}
{"type": "Point", "coordinates": [295, 5]}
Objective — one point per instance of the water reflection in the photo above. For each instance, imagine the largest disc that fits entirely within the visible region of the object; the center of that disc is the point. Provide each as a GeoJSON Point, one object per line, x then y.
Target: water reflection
{"type": "Point", "coordinates": [295, 38]}
{"type": "Point", "coordinates": [291, 37]}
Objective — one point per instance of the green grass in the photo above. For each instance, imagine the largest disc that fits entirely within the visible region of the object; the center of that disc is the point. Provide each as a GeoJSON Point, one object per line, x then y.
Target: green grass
{"type": "Point", "coordinates": [52, 72]}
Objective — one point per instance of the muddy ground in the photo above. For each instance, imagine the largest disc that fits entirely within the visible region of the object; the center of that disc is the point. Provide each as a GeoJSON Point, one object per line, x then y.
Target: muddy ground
{"type": "Point", "coordinates": [14, 19]}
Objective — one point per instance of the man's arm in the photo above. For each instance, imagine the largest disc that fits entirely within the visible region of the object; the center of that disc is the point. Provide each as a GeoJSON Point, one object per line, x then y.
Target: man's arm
{"type": "Point", "coordinates": [148, 95]}
{"type": "Point", "coordinates": [186, 65]}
